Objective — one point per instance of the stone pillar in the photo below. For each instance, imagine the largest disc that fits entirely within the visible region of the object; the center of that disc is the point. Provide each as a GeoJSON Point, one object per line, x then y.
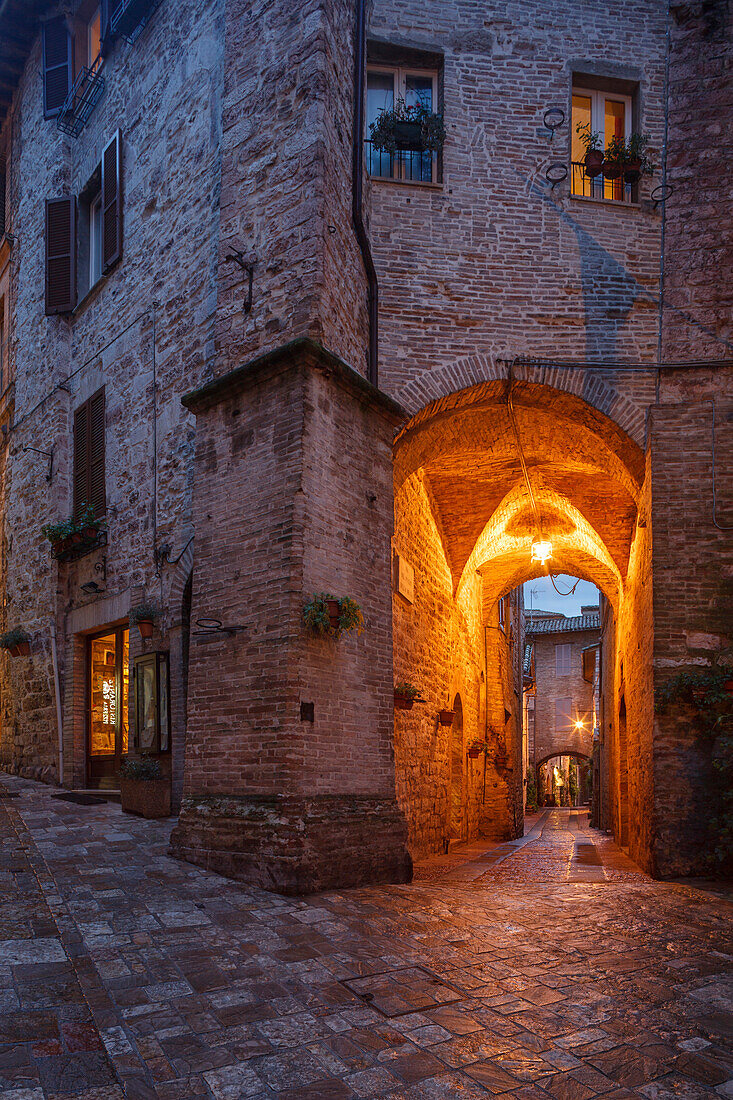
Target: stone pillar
{"type": "Point", "coordinates": [292, 495]}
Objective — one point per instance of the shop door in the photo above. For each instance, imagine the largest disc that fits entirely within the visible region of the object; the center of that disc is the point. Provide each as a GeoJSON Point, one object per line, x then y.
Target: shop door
{"type": "Point", "coordinates": [108, 661]}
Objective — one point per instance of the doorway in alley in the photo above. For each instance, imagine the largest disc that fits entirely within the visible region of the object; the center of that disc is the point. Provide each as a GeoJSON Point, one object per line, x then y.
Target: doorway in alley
{"type": "Point", "coordinates": [108, 670]}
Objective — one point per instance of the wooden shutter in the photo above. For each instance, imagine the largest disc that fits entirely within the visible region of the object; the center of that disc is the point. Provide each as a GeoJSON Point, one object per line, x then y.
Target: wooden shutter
{"type": "Point", "coordinates": [60, 255]}
{"type": "Point", "coordinates": [111, 204]}
{"type": "Point", "coordinates": [97, 496]}
{"type": "Point", "coordinates": [58, 62]}
{"type": "Point", "coordinates": [89, 487]}
{"type": "Point", "coordinates": [3, 182]}
{"type": "Point", "coordinates": [109, 9]}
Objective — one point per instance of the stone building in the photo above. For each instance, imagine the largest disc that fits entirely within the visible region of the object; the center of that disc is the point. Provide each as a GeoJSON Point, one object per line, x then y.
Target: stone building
{"type": "Point", "coordinates": [276, 365]}
{"type": "Point", "coordinates": [564, 654]}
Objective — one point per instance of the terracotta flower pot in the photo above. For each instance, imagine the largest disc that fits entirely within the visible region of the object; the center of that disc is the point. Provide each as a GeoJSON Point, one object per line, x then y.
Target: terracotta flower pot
{"type": "Point", "coordinates": [334, 611]}
{"type": "Point", "coordinates": [76, 538]}
{"type": "Point", "coordinates": [445, 717]}
{"type": "Point", "coordinates": [90, 533]}
{"type": "Point", "coordinates": [474, 753]}
{"type": "Point", "coordinates": [146, 627]}
{"type": "Point", "coordinates": [146, 797]}
{"type": "Point", "coordinates": [612, 169]}
{"type": "Point", "coordinates": [593, 163]}
{"type": "Point", "coordinates": [22, 649]}
{"type": "Point", "coordinates": [632, 170]}
{"type": "Point", "coordinates": [402, 701]}
{"type": "Point", "coordinates": [13, 651]}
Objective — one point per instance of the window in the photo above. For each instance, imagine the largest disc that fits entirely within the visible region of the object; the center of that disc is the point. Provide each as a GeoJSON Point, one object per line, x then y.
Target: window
{"type": "Point", "coordinates": [385, 86]}
{"type": "Point", "coordinates": [563, 714]}
{"type": "Point", "coordinates": [563, 659]}
{"type": "Point", "coordinates": [58, 56]}
{"type": "Point", "coordinates": [84, 235]}
{"type": "Point", "coordinates": [609, 114]}
{"type": "Point", "coordinates": [151, 694]}
{"type": "Point", "coordinates": [502, 612]}
{"type": "Point", "coordinates": [89, 454]}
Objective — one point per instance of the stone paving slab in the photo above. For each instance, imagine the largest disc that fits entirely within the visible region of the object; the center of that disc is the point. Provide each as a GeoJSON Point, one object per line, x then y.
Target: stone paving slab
{"type": "Point", "coordinates": [557, 970]}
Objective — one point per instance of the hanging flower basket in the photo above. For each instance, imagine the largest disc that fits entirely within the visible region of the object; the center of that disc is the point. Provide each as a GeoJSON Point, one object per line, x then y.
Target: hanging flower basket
{"type": "Point", "coordinates": [475, 749]}
{"type": "Point", "coordinates": [632, 170]}
{"type": "Point", "coordinates": [145, 616]}
{"type": "Point", "coordinates": [16, 641]}
{"type": "Point", "coordinates": [612, 169]}
{"type": "Point", "coordinates": [593, 163]}
{"type": "Point", "coordinates": [415, 128]}
{"type": "Point", "coordinates": [325, 614]}
{"type": "Point", "coordinates": [333, 612]}
{"type": "Point", "coordinates": [445, 717]}
{"type": "Point", "coordinates": [405, 695]}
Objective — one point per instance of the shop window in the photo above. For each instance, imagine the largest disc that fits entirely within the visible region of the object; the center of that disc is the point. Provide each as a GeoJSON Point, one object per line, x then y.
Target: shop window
{"type": "Point", "coordinates": [385, 87]}
{"type": "Point", "coordinates": [152, 709]}
{"type": "Point", "coordinates": [563, 660]}
{"type": "Point", "coordinates": [608, 114]}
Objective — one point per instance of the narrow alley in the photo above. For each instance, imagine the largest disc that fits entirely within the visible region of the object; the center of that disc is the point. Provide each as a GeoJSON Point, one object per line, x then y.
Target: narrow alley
{"type": "Point", "coordinates": [545, 967]}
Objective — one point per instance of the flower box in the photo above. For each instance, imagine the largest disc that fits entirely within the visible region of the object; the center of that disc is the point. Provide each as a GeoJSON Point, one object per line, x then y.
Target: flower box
{"type": "Point", "coordinates": [149, 798]}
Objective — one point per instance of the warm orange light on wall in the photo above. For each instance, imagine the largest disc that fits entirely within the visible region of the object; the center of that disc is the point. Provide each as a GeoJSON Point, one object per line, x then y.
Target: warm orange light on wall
{"type": "Point", "coordinates": [541, 550]}
{"type": "Point", "coordinates": [580, 724]}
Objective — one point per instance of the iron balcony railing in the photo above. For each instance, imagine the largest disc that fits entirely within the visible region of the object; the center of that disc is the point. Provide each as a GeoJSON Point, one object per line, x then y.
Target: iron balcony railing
{"type": "Point", "coordinates": [415, 167]}
{"type": "Point", "coordinates": [598, 187]}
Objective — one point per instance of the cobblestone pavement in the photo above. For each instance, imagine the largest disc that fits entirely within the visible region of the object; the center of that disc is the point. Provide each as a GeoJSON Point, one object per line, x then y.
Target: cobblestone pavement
{"type": "Point", "coordinates": [549, 967]}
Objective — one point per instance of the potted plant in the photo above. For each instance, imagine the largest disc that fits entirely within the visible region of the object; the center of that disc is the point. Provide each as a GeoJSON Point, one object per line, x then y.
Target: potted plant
{"type": "Point", "coordinates": [143, 790]}
{"type": "Point", "coordinates": [415, 128]}
{"type": "Point", "coordinates": [144, 616]}
{"type": "Point", "coordinates": [89, 525]}
{"type": "Point", "coordinates": [637, 162]}
{"type": "Point", "coordinates": [58, 535]}
{"type": "Point", "coordinates": [405, 695]}
{"type": "Point", "coordinates": [445, 717]}
{"type": "Point", "coordinates": [16, 641]}
{"type": "Point", "coordinates": [591, 139]}
{"type": "Point", "coordinates": [614, 158]}
{"type": "Point", "coordinates": [327, 614]}
{"type": "Point", "coordinates": [476, 747]}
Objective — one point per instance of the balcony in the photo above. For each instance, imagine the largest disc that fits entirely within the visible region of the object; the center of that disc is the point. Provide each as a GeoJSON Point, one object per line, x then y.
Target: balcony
{"type": "Point", "coordinates": [130, 18]}
{"type": "Point", "coordinates": [597, 187]}
{"type": "Point", "coordinates": [406, 165]}
{"type": "Point", "coordinates": [81, 100]}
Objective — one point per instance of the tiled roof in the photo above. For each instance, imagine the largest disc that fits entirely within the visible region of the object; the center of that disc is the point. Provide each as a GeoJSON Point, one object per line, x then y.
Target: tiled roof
{"type": "Point", "coordinates": [564, 626]}
{"type": "Point", "coordinates": [527, 660]}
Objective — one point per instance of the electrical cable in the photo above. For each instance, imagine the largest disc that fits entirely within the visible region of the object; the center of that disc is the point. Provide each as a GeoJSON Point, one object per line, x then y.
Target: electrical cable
{"type": "Point", "coordinates": [558, 590]}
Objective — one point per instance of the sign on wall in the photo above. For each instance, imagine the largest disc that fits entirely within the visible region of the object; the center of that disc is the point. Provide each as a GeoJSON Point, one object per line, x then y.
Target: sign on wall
{"type": "Point", "coordinates": [404, 579]}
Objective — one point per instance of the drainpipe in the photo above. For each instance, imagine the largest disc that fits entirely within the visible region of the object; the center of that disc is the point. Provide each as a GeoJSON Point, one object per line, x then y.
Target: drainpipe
{"type": "Point", "coordinates": [357, 189]}
{"type": "Point", "coordinates": [57, 690]}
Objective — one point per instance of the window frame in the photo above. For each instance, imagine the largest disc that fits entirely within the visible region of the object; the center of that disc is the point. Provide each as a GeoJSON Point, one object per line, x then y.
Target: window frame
{"type": "Point", "coordinates": [561, 711]}
{"type": "Point", "coordinates": [159, 660]}
{"type": "Point", "coordinates": [566, 650]}
{"type": "Point", "coordinates": [399, 74]}
{"type": "Point", "coordinates": [96, 239]}
{"type": "Point", "coordinates": [598, 97]}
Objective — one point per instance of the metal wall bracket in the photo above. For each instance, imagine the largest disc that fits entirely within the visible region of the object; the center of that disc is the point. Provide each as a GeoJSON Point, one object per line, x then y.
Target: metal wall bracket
{"type": "Point", "coordinates": [237, 257]}
{"type": "Point", "coordinates": [46, 454]}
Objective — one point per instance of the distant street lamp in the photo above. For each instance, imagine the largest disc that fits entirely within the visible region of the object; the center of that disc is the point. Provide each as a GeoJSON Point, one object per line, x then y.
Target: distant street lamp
{"type": "Point", "coordinates": [541, 550]}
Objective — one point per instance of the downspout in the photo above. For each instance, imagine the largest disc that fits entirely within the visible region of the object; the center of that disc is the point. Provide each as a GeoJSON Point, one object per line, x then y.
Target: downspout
{"type": "Point", "coordinates": [357, 189]}
{"type": "Point", "coordinates": [57, 690]}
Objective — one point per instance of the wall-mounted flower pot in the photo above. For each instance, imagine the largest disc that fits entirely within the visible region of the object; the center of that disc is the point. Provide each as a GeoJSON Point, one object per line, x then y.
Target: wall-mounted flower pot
{"type": "Point", "coordinates": [632, 170]}
{"type": "Point", "coordinates": [333, 610]}
{"type": "Point", "coordinates": [474, 752]}
{"type": "Point", "coordinates": [403, 701]}
{"type": "Point", "coordinates": [612, 170]}
{"type": "Point", "coordinates": [146, 627]}
{"type": "Point", "coordinates": [593, 163]}
{"type": "Point", "coordinates": [408, 135]}
{"type": "Point", "coordinates": [90, 533]}
{"type": "Point", "coordinates": [146, 797]}
{"type": "Point", "coordinates": [23, 649]}
{"type": "Point", "coordinates": [445, 717]}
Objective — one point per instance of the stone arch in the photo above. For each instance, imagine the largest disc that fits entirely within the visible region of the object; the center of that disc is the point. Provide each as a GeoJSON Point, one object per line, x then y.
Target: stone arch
{"type": "Point", "coordinates": [620, 397]}
{"type": "Point", "coordinates": [179, 578]}
{"type": "Point", "coordinates": [563, 752]}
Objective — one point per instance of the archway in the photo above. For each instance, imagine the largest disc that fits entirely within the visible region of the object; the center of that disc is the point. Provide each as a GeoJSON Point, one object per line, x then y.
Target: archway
{"type": "Point", "coordinates": [478, 477]}
{"type": "Point", "coordinates": [553, 762]}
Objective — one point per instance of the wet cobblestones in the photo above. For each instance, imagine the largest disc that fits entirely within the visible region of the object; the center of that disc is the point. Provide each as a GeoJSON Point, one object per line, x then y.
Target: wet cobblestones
{"type": "Point", "coordinates": [550, 968]}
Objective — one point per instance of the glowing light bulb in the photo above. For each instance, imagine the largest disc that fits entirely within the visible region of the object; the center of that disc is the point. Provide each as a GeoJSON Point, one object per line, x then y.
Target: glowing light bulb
{"type": "Point", "coordinates": [580, 724]}
{"type": "Point", "coordinates": [541, 550]}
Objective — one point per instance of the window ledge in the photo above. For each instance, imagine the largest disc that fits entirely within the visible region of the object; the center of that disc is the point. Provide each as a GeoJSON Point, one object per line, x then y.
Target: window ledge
{"type": "Point", "coordinates": [407, 183]}
{"type": "Point", "coordinates": [616, 204]}
{"type": "Point", "coordinates": [89, 296]}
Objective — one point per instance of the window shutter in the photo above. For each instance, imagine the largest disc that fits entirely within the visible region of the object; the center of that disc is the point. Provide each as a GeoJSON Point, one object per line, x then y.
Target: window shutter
{"type": "Point", "coordinates": [60, 255]}
{"type": "Point", "coordinates": [109, 9]}
{"type": "Point", "coordinates": [81, 456]}
{"type": "Point", "coordinates": [111, 204]}
{"type": "Point", "coordinates": [89, 487]}
{"type": "Point", "coordinates": [97, 496]}
{"type": "Point", "coordinates": [3, 182]}
{"type": "Point", "coordinates": [58, 61]}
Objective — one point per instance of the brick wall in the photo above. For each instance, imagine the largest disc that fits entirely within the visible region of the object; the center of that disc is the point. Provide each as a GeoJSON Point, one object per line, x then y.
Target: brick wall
{"type": "Point", "coordinates": [549, 739]}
